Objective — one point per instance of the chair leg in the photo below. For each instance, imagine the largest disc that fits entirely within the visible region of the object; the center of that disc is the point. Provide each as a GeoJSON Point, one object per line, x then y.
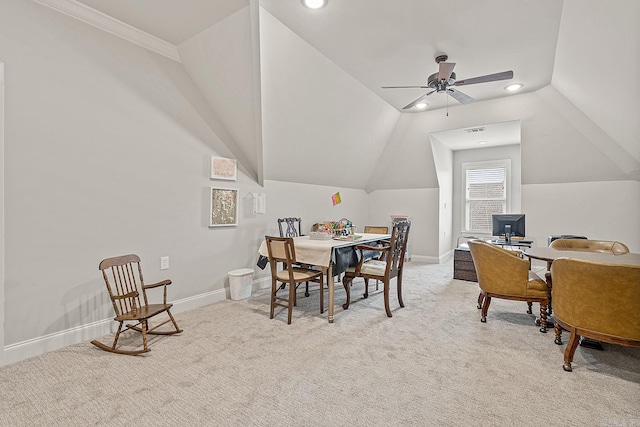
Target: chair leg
{"type": "Point", "coordinates": [480, 300]}
{"type": "Point", "coordinates": [485, 308]}
{"type": "Point", "coordinates": [306, 289]}
{"type": "Point", "coordinates": [572, 345]}
{"type": "Point", "coordinates": [543, 317]}
{"type": "Point", "coordinates": [399, 281]}
{"type": "Point", "coordinates": [529, 307]}
{"type": "Point", "coordinates": [274, 289]}
{"type": "Point", "coordinates": [558, 330]}
{"type": "Point", "coordinates": [292, 299]}
{"type": "Point", "coordinates": [346, 282]}
{"type": "Point", "coordinates": [144, 327]}
{"type": "Point", "coordinates": [386, 299]}
{"type": "Point", "coordinates": [321, 294]}
{"type": "Point", "coordinates": [366, 288]}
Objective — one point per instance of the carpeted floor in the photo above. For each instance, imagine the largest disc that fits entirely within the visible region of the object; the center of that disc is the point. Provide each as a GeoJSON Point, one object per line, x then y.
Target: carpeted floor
{"type": "Point", "coordinates": [433, 364]}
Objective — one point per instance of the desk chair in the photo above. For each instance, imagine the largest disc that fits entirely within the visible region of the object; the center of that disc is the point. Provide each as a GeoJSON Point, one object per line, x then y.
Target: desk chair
{"type": "Point", "coordinates": [282, 251]}
{"type": "Point", "coordinates": [502, 274]}
{"type": "Point", "coordinates": [123, 277]}
{"type": "Point", "coordinates": [595, 300]}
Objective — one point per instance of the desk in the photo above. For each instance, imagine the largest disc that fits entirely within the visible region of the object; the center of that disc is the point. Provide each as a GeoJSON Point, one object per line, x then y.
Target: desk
{"type": "Point", "coordinates": [322, 254]}
{"type": "Point", "coordinates": [549, 255]}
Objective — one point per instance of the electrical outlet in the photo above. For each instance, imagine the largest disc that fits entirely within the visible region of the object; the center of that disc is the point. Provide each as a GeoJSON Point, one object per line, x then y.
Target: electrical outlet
{"type": "Point", "coordinates": [164, 263]}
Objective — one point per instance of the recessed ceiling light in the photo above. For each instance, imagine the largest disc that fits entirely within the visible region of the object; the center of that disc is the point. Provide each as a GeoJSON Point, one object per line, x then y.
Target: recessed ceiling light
{"type": "Point", "coordinates": [314, 4]}
{"type": "Point", "coordinates": [421, 106]}
{"type": "Point", "coordinates": [513, 87]}
{"type": "Point", "coordinates": [482, 142]}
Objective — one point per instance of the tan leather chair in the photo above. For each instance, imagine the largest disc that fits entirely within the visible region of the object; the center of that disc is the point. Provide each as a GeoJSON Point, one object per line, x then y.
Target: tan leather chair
{"type": "Point", "coordinates": [605, 246]}
{"type": "Point", "coordinates": [502, 274]}
{"type": "Point", "coordinates": [595, 300]}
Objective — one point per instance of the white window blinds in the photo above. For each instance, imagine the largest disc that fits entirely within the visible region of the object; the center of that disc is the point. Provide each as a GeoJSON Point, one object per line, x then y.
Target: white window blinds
{"type": "Point", "coordinates": [486, 194]}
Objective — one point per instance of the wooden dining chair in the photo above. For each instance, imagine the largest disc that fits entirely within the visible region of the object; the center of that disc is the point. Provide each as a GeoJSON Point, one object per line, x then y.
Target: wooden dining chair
{"type": "Point", "coordinates": [385, 269]}
{"type": "Point", "coordinates": [375, 229]}
{"type": "Point", "coordinates": [290, 227]}
{"type": "Point", "coordinates": [282, 256]}
{"type": "Point", "coordinates": [125, 284]}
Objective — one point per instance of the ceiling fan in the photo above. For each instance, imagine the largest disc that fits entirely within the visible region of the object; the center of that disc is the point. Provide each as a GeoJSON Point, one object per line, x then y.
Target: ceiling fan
{"type": "Point", "coordinates": [445, 78]}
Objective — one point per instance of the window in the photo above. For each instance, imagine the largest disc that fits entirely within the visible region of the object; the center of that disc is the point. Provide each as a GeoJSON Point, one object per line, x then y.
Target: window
{"type": "Point", "coordinates": [486, 193]}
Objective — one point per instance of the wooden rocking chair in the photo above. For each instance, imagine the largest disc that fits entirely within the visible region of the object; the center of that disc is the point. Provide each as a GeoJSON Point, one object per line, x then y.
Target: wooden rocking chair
{"type": "Point", "coordinates": [123, 277]}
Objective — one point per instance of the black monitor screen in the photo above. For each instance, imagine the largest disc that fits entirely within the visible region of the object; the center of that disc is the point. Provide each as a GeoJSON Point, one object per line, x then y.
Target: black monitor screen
{"type": "Point", "coordinates": [508, 225]}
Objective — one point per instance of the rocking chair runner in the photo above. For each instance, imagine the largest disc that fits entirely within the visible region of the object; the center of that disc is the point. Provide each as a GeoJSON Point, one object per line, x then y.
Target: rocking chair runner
{"type": "Point", "coordinates": [123, 277]}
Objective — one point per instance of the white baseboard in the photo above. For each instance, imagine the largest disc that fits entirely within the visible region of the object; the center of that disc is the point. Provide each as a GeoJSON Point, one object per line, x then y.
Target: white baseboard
{"type": "Point", "coordinates": [23, 350]}
{"type": "Point", "coordinates": [424, 258]}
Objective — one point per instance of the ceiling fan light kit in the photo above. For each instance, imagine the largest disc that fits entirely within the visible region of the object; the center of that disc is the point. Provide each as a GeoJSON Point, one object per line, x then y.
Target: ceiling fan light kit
{"type": "Point", "coordinates": [314, 4]}
{"type": "Point", "coordinates": [445, 78]}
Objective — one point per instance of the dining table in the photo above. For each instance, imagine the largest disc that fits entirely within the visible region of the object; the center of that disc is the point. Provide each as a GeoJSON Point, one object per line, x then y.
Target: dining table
{"type": "Point", "coordinates": [325, 254]}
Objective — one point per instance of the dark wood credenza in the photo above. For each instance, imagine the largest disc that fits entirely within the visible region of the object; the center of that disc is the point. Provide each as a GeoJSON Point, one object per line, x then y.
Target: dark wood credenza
{"type": "Point", "coordinates": [463, 267]}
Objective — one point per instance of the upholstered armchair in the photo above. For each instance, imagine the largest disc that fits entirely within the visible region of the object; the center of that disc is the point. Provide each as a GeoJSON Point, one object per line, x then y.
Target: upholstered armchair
{"type": "Point", "coordinates": [604, 246]}
{"type": "Point", "coordinates": [503, 274]}
{"type": "Point", "coordinates": [595, 300]}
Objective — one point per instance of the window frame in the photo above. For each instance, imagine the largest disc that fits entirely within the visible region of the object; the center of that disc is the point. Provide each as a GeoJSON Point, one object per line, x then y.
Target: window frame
{"type": "Point", "coordinates": [487, 164]}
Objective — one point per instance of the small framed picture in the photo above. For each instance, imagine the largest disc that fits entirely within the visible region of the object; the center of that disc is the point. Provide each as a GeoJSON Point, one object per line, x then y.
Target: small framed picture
{"type": "Point", "coordinates": [224, 207]}
{"type": "Point", "coordinates": [222, 168]}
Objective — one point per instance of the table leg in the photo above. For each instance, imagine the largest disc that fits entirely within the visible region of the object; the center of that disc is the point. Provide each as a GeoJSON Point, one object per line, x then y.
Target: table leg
{"type": "Point", "coordinates": [330, 285]}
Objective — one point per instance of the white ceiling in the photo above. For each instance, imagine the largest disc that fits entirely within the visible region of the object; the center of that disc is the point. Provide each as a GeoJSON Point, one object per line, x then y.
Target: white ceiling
{"type": "Point", "coordinates": [393, 43]}
{"type": "Point", "coordinates": [388, 43]}
{"type": "Point", "coordinates": [507, 133]}
{"type": "Point", "coordinates": [170, 20]}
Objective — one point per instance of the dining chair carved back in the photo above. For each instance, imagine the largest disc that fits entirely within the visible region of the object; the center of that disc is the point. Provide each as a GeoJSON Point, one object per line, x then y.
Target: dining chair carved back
{"type": "Point", "coordinates": [284, 271]}
{"type": "Point", "coordinates": [290, 227]}
{"type": "Point", "coordinates": [389, 266]}
{"type": "Point", "coordinates": [375, 229]}
{"type": "Point", "coordinates": [128, 293]}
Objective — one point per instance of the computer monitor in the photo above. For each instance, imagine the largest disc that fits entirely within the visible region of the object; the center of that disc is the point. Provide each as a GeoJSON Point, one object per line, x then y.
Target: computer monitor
{"type": "Point", "coordinates": [508, 225]}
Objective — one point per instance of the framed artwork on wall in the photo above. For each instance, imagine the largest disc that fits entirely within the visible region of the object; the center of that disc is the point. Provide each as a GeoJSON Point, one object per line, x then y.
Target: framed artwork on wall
{"type": "Point", "coordinates": [222, 168]}
{"type": "Point", "coordinates": [224, 207]}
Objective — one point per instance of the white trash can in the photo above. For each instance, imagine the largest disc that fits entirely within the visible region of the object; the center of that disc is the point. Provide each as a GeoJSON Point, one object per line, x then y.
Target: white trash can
{"type": "Point", "coordinates": [240, 282]}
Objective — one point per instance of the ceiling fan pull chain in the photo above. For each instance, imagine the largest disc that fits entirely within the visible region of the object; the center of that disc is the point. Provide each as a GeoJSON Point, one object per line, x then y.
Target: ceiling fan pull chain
{"type": "Point", "coordinates": [447, 104]}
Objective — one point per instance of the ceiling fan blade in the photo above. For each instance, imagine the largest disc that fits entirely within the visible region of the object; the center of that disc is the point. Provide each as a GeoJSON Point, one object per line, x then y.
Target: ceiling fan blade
{"type": "Point", "coordinates": [505, 75]}
{"type": "Point", "coordinates": [446, 68]}
{"type": "Point", "coordinates": [417, 101]}
{"type": "Point", "coordinates": [460, 97]}
{"type": "Point", "coordinates": [405, 87]}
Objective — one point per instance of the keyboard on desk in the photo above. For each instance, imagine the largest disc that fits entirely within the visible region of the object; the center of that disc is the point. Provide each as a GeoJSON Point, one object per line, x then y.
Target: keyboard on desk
{"type": "Point", "coordinates": [513, 242]}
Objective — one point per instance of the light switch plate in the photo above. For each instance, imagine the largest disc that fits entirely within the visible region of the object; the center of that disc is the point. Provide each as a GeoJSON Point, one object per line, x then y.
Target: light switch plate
{"type": "Point", "coordinates": [164, 263]}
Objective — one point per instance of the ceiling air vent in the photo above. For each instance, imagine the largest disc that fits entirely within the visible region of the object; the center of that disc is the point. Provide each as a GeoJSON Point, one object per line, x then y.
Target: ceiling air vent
{"type": "Point", "coordinates": [474, 130]}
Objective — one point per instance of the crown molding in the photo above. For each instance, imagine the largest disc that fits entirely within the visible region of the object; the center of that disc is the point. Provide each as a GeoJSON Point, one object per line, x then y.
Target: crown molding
{"type": "Point", "coordinates": [111, 25]}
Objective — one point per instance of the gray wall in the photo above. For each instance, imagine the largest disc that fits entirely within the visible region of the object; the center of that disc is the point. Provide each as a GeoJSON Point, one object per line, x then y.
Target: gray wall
{"type": "Point", "coordinates": [107, 149]}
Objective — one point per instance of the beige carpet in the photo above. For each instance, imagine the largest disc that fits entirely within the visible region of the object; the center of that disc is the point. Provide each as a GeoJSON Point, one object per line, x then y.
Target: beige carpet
{"type": "Point", "coordinates": [433, 363]}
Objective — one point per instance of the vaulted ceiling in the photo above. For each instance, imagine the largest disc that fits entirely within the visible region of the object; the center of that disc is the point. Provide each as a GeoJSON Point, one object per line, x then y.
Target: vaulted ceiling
{"type": "Point", "coordinates": [580, 47]}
